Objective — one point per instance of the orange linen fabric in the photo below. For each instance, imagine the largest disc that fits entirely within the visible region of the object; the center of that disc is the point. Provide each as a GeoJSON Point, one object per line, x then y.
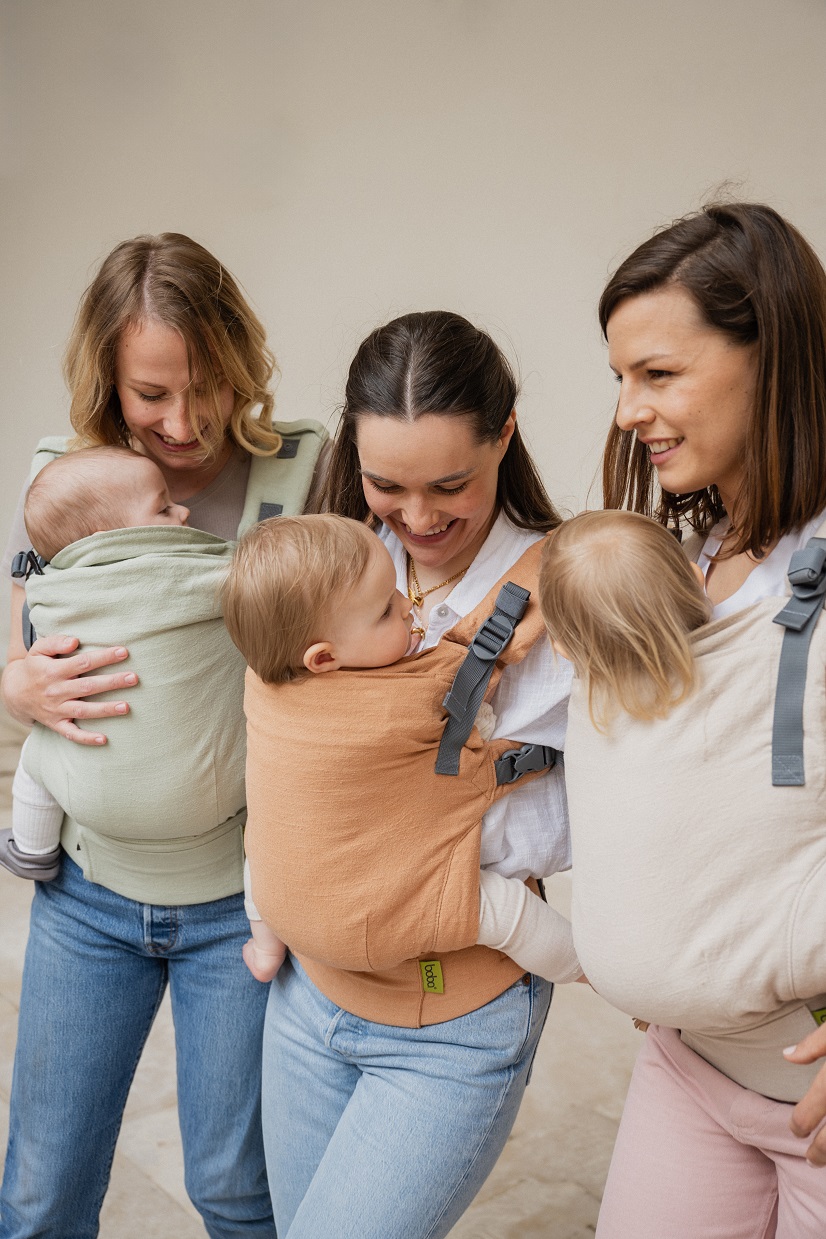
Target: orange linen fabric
{"type": "Point", "coordinates": [363, 859]}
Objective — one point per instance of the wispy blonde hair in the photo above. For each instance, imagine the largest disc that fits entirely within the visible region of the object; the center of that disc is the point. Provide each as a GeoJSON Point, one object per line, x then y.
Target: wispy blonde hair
{"type": "Point", "coordinates": [79, 494]}
{"type": "Point", "coordinates": [286, 577]}
{"type": "Point", "coordinates": [618, 593]}
{"type": "Point", "coordinates": [173, 280]}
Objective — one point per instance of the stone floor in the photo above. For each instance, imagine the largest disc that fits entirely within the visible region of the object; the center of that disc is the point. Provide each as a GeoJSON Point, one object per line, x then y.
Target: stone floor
{"type": "Point", "coordinates": [547, 1184]}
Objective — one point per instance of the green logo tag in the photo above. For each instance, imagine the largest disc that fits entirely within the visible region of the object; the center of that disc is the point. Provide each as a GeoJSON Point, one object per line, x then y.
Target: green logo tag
{"type": "Point", "coordinates": [819, 1016]}
{"type": "Point", "coordinates": [432, 980]}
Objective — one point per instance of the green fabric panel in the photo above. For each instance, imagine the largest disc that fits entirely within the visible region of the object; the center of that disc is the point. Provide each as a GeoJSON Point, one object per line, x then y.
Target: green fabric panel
{"type": "Point", "coordinates": [173, 769]}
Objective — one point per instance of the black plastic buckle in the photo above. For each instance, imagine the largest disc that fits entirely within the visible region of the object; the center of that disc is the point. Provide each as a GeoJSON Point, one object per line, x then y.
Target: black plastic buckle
{"type": "Point", "coordinates": [26, 563]}
{"type": "Point", "coordinates": [525, 760]}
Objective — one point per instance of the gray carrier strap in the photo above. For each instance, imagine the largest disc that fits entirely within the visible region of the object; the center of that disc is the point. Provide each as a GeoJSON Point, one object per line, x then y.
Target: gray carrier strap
{"type": "Point", "coordinates": [807, 575]}
{"type": "Point", "coordinates": [470, 683]}
{"type": "Point", "coordinates": [22, 566]}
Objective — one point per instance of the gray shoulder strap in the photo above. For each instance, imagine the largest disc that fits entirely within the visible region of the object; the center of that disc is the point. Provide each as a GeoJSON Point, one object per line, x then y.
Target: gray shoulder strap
{"type": "Point", "coordinates": [468, 689]}
{"type": "Point", "coordinates": [807, 576]}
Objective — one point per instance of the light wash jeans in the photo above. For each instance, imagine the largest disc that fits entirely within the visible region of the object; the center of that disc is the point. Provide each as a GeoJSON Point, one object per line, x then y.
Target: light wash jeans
{"type": "Point", "coordinates": [377, 1132]}
{"type": "Point", "coordinates": [96, 969]}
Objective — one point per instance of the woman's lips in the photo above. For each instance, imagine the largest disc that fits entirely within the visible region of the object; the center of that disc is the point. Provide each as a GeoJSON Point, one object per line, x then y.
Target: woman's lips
{"type": "Point", "coordinates": [429, 539]}
{"type": "Point", "coordinates": [192, 446]}
{"type": "Point", "coordinates": [661, 450]}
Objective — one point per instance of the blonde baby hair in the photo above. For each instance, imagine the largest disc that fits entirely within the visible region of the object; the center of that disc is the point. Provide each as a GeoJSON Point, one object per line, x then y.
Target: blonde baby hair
{"type": "Point", "coordinates": [287, 575]}
{"type": "Point", "coordinates": [619, 595]}
{"type": "Point", "coordinates": [77, 495]}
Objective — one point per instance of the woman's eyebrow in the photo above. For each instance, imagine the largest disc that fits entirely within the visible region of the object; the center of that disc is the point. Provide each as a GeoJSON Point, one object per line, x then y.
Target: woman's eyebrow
{"type": "Point", "coordinates": [451, 477]}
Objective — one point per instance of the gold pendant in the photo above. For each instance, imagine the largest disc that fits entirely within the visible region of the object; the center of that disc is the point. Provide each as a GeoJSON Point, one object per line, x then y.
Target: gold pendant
{"type": "Point", "coordinates": [416, 599]}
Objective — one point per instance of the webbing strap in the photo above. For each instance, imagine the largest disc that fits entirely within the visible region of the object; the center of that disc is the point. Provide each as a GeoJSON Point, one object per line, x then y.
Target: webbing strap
{"type": "Point", "coordinates": [471, 680]}
{"type": "Point", "coordinates": [807, 575]}
{"type": "Point", "coordinates": [22, 566]}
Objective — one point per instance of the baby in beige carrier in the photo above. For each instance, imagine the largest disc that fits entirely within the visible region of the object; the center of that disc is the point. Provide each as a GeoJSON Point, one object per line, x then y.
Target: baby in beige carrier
{"type": "Point", "coordinates": [699, 857]}
{"type": "Point", "coordinates": [77, 495]}
{"type": "Point", "coordinates": [343, 733]}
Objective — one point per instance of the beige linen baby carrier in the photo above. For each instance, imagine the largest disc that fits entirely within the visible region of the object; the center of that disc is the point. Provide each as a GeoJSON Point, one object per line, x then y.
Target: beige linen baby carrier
{"type": "Point", "coordinates": [699, 842]}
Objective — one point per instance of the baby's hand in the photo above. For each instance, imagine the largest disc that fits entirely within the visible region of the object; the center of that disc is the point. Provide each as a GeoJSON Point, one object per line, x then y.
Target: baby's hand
{"type": "Point", "coordinates": [264, 952]}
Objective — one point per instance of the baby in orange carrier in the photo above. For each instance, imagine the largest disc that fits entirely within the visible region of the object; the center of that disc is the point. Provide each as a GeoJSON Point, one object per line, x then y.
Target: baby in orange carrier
{"type": "Point", "coordinates": [360, 855]}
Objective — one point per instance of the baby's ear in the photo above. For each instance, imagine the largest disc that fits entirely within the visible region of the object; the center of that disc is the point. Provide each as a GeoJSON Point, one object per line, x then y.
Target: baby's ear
{"type": "Point", "coordinates": [698, 572]}
{"type": "Point", "coordinates": [321, 657]}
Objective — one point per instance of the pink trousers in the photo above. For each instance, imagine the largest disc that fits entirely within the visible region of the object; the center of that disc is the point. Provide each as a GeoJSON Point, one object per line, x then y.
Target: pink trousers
{"type": "Point", "coordinates": [699, 1157]}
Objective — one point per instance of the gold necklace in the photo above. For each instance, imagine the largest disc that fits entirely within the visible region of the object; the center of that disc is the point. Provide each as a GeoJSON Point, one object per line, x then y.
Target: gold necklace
{"type": "Point", "coordinates": [417, 595]}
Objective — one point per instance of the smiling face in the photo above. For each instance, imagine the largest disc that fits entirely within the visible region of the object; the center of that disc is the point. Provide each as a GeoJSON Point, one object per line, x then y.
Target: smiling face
{"type": "Point", "coordinates": [371, 623]}
{"type": "Point", "coordinates": [153, 383]}
{"type": "Point", "coordinates": [432, 483]}
{"type": "Point", "coordinates": [688, 390]}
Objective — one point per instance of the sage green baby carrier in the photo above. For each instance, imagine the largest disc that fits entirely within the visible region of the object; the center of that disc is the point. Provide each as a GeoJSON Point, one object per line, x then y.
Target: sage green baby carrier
{"type": "Point", "coordinates": [157, 814]}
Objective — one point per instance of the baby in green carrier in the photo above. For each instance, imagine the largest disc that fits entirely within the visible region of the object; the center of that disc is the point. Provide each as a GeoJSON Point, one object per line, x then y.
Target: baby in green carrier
{"type": "Point", "coordinates": [77, 495]}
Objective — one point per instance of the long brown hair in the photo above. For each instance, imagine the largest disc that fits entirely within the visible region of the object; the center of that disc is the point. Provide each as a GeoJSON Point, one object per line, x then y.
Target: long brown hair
{"type": "Point", "coordinates": [173, 280]}
{"type": "Point", "coordinates": [436, 362]}
{"type": "Point", "coordinates": [754, 277]}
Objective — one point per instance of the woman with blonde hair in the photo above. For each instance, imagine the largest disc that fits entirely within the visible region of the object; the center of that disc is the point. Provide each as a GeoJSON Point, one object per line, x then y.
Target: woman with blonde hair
{"type": "Point", "coordinates": [166, 357]}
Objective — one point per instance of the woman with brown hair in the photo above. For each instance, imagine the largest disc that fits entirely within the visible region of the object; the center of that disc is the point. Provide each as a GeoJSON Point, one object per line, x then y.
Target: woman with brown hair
{"type": "Point", "coordinates": [166, 357]}
{"type": "Point", "coordinates": [388, 1094]}
{"type": "Point", "coordinates": [716, 329]}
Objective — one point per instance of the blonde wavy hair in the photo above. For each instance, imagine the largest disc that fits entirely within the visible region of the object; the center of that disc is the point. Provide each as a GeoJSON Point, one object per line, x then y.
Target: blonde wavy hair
{"type": "Point", "coordinates": [172, 280]}
{"type": "Point", "coordinates": [286, 578]}
{"type": "Point", "coordinates": [618, 594]}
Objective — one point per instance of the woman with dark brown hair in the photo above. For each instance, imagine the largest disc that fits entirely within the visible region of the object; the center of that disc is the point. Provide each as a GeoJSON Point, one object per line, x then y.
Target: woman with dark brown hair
{"type": "Point", "coordinates": [387, 1113]}
{"type": "Point", "coordinates": [716, 329]}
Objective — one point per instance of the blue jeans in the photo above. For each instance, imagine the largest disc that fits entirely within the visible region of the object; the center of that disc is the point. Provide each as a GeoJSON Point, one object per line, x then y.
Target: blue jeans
{"type": "Point", "coordinates": [96, 968]}
{"type": "Point", "coordinates": [377, 1131]}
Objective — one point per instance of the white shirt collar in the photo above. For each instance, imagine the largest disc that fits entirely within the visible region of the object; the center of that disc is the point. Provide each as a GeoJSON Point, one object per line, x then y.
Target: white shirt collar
{"type": "Point", "coordinates": [502, 547]}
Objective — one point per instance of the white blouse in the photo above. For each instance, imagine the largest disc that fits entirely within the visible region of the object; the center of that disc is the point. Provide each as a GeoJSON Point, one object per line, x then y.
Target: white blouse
{"type": "Point", "coordinates": [526, 832]}
{"type": "Point", "coordinates": [768, 578]}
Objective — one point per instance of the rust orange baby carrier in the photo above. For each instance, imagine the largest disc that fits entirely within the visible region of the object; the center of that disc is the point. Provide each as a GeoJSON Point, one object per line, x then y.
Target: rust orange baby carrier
{"type": "Point", "coordinates": [364, 859]}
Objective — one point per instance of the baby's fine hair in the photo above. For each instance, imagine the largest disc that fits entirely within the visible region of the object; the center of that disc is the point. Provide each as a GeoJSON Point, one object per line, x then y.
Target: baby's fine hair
{"type": "Point", "coordinates": [286, 577]}
{"type": "Point", "coordinates": [618, 593]}
{"type": "Point", "coordinates": [77, 495]}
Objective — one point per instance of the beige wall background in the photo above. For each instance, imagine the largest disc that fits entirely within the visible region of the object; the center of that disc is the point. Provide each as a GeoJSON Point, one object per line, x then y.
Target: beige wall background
{"type": "Point", "coordinates": [350, 160]}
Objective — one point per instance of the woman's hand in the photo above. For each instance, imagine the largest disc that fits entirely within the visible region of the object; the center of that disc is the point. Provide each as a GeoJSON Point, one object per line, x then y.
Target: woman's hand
{"type": "Point", "coordinates": [44, 688]}
{"type": "Point", "coordinates": [47, 684]}
{"type": "Point", "coordinates": [811, 1109]}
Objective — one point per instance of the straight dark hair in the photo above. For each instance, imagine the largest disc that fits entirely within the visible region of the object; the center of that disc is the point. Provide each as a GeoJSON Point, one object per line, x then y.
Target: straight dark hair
{"type": "Point", "coordinates": [439, 363]}
{"type": "Point", "coordinates": [754, 277]}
